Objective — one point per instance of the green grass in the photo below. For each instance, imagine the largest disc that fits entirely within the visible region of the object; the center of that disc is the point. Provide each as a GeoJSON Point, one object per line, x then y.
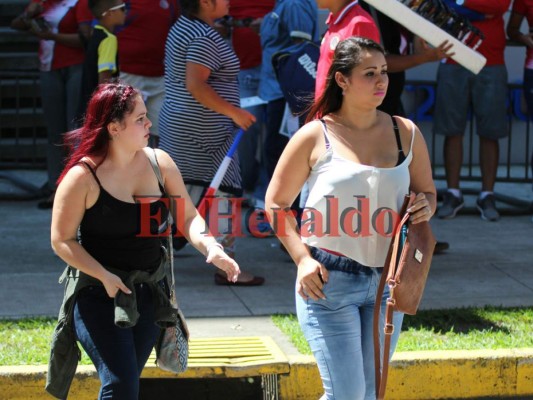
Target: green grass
{"type": "Point", "coordinates": [457, 329]}
{"type": "Point", "coordinates": [27, 341]}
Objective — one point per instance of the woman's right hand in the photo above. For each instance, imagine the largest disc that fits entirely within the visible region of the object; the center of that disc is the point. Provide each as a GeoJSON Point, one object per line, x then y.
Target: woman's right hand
{"type": "Point", "coordinates": [242, 118]}
{"type": "Point", "coordinates": [112, 284]}
{"type": "Point", "coordinates": [311, 279]}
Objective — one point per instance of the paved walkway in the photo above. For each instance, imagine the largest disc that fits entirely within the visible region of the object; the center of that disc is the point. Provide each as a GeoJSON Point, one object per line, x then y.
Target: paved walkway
{"type": "Point", "coordinates": [487, 264]}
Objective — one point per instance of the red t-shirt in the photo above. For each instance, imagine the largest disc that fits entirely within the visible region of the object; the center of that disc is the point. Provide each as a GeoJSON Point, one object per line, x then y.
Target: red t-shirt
{"type": "Point", "coordinates": [246, 43]}
{"type": "Point", "coordinates": [352, 20]}
{"type": "Point", "coordinates": [493, 46]}
{"type": "Point", "coordinates": [141, 42]}
{"type": "Point", "coordinates": [525, 8]}
{"type": "Point", "coordinates": [63, 17]}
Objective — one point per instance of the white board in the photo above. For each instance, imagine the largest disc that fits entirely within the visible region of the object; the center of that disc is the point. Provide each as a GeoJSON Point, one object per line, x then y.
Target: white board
{"type": "Point", "coordinates": [431, 33]}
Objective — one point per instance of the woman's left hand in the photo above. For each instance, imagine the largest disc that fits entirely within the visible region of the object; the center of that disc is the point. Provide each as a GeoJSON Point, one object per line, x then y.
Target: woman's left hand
{"type": "Point", "coordinates": [419, 208]}
{"type": "Point", "coordinates": [222, 261]}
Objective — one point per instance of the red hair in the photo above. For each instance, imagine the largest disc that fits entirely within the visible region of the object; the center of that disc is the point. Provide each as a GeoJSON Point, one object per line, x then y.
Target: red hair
{"type": "Point", "coordinates": [111, 102]}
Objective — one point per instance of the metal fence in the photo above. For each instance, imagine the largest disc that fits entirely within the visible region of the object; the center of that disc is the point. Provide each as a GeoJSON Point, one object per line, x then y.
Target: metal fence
{"type": "Point", "coordinates": [22, 131]}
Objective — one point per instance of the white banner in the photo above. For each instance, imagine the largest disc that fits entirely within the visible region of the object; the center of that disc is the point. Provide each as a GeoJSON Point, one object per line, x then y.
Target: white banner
{"type": "Point", "coordinates": [431, 33]}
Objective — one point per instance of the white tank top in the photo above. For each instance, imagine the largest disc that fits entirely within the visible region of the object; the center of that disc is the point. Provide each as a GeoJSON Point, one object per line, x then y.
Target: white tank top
{"type": "Point", "coordinates": [351, 207]}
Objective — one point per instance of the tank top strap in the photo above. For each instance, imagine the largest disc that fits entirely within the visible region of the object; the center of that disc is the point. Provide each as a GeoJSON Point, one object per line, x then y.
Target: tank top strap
{"type": "Point", "coordinates": [325, 131]}
{"type": "Point", "coordinates": [401, 154]}
{"type": "Point", "coordinates": [93, 172]}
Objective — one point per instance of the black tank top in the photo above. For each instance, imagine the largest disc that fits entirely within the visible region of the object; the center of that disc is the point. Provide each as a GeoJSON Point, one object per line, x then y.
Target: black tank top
{"type": "Point", "coordinates": [111, 231]}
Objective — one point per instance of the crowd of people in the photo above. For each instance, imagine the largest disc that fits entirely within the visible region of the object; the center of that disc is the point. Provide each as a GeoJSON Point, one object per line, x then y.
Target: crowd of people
{"type": "Point", "coordinates": [183, 69]}
{"type": "Point", "coordinates": [87, 42]}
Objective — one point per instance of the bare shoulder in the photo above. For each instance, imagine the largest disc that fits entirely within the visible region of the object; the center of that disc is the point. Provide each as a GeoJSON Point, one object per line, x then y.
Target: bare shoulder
{"type": "Point", "coordinates": [406, 127]}
{"type": "Point", "coordinates": [309, 142]}
{"type": "Point", "coordinates": [78, 179]}
{"type": "Point", "coordinates": [166, 164]}
{"type": "Point", "coordinates": [163, 158]}
{"type": "Point", "coordinates": [308, 136]}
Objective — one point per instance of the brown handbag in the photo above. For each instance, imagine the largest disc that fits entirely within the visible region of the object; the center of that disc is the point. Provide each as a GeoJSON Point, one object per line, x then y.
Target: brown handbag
{"type": "Point", "coordinates": [405, 271]}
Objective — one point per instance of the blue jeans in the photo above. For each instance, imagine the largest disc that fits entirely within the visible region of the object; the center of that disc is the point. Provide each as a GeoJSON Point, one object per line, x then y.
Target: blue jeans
{"type": "Point", "coordinates": [248, 87]}
{"type": "Point", "coordinates": [119, 354]}
{"type": "Point", "coordinates": [60, 92]}
{"type": "Point", "coordinates": [339, 329]}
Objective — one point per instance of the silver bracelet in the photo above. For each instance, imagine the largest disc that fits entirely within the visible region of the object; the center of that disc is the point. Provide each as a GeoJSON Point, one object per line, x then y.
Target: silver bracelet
{"type": "Point", "coordinates": [214, 244]}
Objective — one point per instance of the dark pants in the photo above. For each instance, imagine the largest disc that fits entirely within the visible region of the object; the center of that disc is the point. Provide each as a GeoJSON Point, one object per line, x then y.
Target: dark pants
{"type": "Point", "coordinates": [60, 92]}
{"type": "Point", "coordinates": [250, 142]}
{"type": "Point", "coordinates": [528, 94]}
{"type": "Point", "coordinates": [274, 142]}
{"type": "Point", "coordinates": [119, 354]}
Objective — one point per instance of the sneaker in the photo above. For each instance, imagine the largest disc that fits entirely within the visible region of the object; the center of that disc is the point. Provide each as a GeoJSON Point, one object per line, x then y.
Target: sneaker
{"type": "Point", "coordinates": [450, 206]}
{"type": "Point", "coordinates": [487, 207]}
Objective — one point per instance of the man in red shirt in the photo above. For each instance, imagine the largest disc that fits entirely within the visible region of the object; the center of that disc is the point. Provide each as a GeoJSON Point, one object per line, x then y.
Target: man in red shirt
{"type": "Point", "coordinates": [141, 46]}
{"type": "Point", "coordinates": [486, 93]}
{"type": "Point", "coordinates": [347, 19]}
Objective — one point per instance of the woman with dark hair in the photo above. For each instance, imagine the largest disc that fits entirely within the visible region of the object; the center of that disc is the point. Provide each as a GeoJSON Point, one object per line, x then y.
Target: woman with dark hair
{"type": "Point", "coordinates": [360, 162]}
{"type": "Point", "coordinates": [96, 230]}
{"type": "Point", "coordinates": [202, 109]}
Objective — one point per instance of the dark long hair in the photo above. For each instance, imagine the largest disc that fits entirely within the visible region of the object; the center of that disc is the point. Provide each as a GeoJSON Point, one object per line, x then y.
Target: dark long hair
{"type": "Point", "coordinates": [111, 102]}
{"type": "Point", "coordinates": [190, 8]}
{"type": "Point", "coordinates": [348, 55]}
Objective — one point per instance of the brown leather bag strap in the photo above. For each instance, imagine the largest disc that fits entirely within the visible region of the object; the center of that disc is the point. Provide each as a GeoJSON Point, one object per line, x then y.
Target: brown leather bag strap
{"type": "Point", "coordinates": [381, 373]}
{"type": "Point", "coordinates": [389, 330]}
{"type": "Point", "coordinates": [377, 309]}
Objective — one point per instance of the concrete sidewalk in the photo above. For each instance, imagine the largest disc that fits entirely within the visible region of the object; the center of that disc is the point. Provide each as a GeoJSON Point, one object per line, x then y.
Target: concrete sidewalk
{"type": "Point", "coordinates": [487, 264]}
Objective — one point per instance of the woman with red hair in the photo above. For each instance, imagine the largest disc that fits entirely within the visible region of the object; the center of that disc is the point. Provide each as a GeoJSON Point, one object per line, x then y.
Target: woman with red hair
{"type": "Point", "coordinates": [96, 225]}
